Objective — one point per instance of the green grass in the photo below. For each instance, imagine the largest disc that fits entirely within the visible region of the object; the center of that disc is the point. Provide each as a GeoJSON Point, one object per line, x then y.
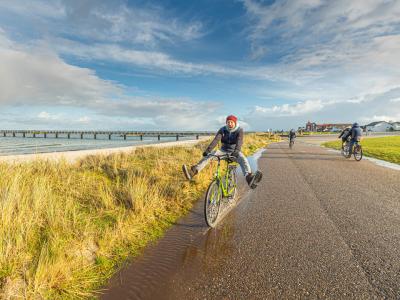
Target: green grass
{"type": "Point", "coordinates": [385, 148]}
{"type": "Point", "coordinates": [65, 228]}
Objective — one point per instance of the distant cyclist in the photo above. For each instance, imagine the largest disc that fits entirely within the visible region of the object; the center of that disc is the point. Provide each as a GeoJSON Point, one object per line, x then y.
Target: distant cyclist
{"type": "Point", "coordinates": [231, 138]}
{"type": "Point", "coordinates": [345, 135]}
{"type": "Point", "coordinates": [355, 134]}
{"type": "Point", "coordinates": [292, 135]}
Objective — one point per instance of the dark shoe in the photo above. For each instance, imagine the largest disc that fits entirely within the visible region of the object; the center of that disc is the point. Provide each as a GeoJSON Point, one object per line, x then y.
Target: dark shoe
{"type": "Point", "coordinates": [193, 171]}
{"type": "Point", "coordinates": [249, 178]}
{"type": "Point", "coordinates": [189, 173]}
{"type": "Point", "coordinates": [253, 180]}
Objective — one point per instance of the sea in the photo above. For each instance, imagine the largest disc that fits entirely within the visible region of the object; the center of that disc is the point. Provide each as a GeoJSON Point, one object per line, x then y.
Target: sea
{"type": "Point", "coordinates": [31, 145]}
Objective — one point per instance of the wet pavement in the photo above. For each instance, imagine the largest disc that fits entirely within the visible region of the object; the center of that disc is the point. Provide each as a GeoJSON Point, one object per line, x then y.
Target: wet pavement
{"type": "Point", "coordinates": [318, 226]}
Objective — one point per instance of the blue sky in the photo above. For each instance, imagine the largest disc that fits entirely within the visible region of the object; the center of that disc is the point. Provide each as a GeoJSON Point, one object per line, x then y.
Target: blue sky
{"type": "Point", "coordinates": [187, 64]}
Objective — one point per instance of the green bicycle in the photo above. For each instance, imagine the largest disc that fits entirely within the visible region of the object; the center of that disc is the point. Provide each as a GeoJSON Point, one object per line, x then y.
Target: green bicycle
{"type": "Point", "coordinates": [222, 186]}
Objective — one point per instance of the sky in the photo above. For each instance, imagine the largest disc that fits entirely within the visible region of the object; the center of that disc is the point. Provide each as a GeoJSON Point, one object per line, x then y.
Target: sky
{"type": "Point", "coordinates": [186, 65]}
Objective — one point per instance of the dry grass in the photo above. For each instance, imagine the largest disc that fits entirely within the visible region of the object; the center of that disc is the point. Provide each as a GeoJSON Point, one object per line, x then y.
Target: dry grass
{"type": "Point", "coordinates": [65, 228]}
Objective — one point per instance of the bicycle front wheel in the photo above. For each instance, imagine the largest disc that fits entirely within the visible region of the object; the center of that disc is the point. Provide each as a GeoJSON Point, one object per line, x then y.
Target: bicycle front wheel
{"type": "Point", "coordinates": [212, 203]}
{"type": "Point", "coordinates": [346, 151]}
{"type": "Point", "coordinates": [232, 182]}
{"type": "Point", "coordinates": [358, 154]}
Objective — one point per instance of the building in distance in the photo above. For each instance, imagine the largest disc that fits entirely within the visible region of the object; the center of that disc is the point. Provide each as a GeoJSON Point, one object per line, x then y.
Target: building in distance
{"type": "Point", "coordinates": [383, 126]}
{"type": "Point", "coordinates": [326, 127]}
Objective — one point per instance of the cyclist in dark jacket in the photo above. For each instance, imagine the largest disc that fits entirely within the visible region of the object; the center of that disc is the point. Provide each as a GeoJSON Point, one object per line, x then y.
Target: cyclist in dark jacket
{"type": "Point", "coordinates": [345, 135]}
{"type": "Point", "coordinates": [356, 134]}
{"type": "Point", "coordinates": [292, 135]}
{"type": "Point", "coordinates": [231, 138]}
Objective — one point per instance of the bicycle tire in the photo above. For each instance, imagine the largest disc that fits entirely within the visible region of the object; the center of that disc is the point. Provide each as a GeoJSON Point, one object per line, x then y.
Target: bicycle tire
{"type": "Point", "coordinates": [358, 154]}
{"type": "Point", "coordinates": [211, 205]}
{"type": "Point", "coordinates": [343, 152]}
{"type": "Point", "coordinates": [291, 145]}
{"type": "Point", "coordinates": [232, 182]}
{"type": "Point", "coordinates": [346, 152]}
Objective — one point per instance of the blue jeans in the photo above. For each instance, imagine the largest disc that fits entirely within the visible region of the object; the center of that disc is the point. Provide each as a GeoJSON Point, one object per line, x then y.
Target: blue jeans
{"type": "Point", "coordinates": [351, 145]}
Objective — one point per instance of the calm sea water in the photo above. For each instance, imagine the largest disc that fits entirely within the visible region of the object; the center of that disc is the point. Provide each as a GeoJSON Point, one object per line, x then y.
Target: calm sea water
{"type": "Point", "coordinates": [19, 145]}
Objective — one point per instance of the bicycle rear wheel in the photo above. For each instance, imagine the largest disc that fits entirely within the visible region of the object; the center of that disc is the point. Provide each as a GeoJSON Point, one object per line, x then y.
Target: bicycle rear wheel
{"type": "Point", "coordinates": [358, 154]}
{"type": "Point", "coordinates": [346, 151]}
{"type": "Point", "coordinates": [212, 203]}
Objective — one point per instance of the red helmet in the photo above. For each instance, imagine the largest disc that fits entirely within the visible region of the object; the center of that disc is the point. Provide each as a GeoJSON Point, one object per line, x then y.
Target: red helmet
{"type": "Point", "coordinates": [232, 118]}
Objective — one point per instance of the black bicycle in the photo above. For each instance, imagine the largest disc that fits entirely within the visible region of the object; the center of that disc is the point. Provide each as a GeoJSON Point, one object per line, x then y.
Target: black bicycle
{"type": "Point", "coordinates": [291, 143]}
{"type": "Point", "coordinates": [345, 149]}
{"type": "Point", "coordinates": [357, 151]}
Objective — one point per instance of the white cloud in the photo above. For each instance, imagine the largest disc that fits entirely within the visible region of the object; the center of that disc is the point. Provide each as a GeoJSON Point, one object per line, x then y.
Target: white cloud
{"type": "Point", "coordinates": [340, 52]}
{"type": "Point", "coordinates": [139, 25]}
{"type": "Point", "coordinates": [308, 21]}
{"type": "Point", "coordinates": [299, 108]}
{"type": "Point", "coordinates": [37, 77]}
{"type": "Point", "coordinates": [32, 8]}
{"type": "Point", "coordinates": [165, 113]}
{"type": "Point", "coordinates": [366, 109]}
{"type": "Point", "coordinates": [106, 21]}
{"type": "Point", "coordinates": [377, 118]}
{"type": "Point", "coordinates": [47, 116]}
{"type": "Point", "coordinates": [333, 41]}
{"type": "Point", "coordinates": [40, 77]}
{"type": "Point", "coordinates": [84, 120]}
{"type": "Point", "coordinates": [142, 58]}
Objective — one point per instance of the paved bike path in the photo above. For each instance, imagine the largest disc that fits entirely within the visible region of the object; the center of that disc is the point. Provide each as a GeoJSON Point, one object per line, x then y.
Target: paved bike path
{"type": "Point", "coordinates": [318, 226]}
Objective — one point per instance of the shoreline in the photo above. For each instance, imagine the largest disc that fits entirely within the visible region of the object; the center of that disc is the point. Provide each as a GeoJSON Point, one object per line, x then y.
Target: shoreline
{"type": "Point", "coordinates": [73, 156]}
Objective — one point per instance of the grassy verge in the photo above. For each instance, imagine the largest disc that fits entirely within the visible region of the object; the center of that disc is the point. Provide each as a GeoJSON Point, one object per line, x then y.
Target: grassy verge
{"type": "Point", "coordinates": [385, 148]}
{"type": "Point", "coordinates": [64, 229]}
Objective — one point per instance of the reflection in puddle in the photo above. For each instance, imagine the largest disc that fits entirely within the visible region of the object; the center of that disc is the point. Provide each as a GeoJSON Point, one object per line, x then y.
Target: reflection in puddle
{"type": "Point", "coordinates": [210, 247]}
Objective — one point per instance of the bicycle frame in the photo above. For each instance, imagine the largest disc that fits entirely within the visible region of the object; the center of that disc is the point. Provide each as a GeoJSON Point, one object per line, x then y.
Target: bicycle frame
{"type": "Point", "coordinates": [223, 184]}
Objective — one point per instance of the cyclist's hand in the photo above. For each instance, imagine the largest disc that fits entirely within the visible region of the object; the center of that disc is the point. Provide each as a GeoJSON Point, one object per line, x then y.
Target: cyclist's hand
{"type": "Point", "coordinates": [205, 153]}
{"type": "Point", "coordinates": [235, 154]}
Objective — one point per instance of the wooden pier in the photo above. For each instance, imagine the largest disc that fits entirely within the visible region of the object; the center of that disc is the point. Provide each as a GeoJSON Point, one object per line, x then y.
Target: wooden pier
{"type": "Point", "coordinates": [94, 134]}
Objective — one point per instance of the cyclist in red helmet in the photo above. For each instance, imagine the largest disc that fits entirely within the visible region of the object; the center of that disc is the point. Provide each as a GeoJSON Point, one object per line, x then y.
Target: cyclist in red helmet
{"type": "Point", "coordinates": [231, 138]}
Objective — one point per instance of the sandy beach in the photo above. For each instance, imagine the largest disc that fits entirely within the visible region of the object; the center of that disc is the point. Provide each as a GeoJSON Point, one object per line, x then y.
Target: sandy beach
{"type": "Point", "coordinates": [73, 156]}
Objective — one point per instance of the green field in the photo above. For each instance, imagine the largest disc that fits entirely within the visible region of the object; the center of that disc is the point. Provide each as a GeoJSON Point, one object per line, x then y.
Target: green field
{"type": "Point", "coordinates": [385, 148]}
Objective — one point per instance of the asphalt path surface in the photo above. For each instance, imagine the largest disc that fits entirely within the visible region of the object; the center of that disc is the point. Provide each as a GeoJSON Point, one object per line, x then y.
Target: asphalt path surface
{"type": "Point", "coordinates": [318, 226]}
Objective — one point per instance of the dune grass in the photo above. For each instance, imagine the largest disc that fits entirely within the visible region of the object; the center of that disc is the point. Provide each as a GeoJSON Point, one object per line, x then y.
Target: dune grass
{"type": "Point", "coordinates": [65, 228]}
{"type": "Point", "coordinates": [385, 148]}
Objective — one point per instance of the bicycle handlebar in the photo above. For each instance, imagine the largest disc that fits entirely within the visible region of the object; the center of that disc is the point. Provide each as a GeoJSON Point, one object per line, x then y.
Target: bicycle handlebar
{"type": "Point", "coordinates": [224, 156]}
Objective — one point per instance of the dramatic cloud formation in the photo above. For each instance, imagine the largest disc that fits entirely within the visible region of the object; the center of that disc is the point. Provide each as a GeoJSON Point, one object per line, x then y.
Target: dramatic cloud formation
{"type": "Point", "coordinates": [172, 65]}
{"type": "Point", "coordinates": [40, 77]}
